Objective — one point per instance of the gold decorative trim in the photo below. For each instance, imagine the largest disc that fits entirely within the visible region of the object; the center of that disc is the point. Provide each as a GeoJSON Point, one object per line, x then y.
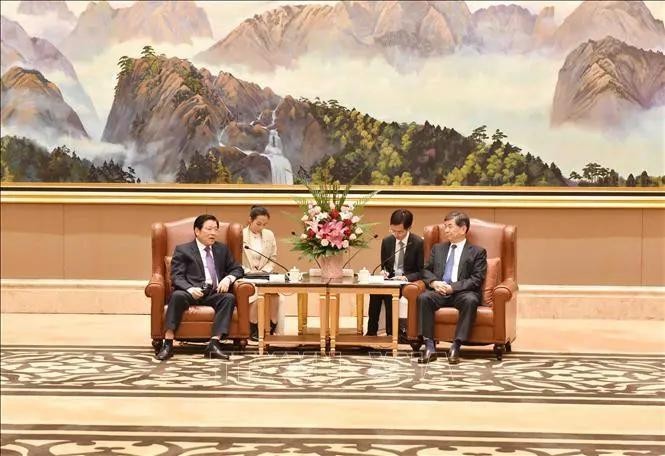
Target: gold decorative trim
{"type": "Point", "coordinates": [283, 195]}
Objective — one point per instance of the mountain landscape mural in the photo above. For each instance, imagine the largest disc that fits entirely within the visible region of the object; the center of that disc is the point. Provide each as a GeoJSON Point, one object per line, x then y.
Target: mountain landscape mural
{"type": "Point", "coordinates": [430, 93]}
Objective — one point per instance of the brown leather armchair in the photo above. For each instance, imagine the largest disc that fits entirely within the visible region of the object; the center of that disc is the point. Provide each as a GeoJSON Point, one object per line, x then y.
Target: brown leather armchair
{"type": "Point", "coordinates": [496, 318]}
{"type": "Point", "coordinates": [197, 320]}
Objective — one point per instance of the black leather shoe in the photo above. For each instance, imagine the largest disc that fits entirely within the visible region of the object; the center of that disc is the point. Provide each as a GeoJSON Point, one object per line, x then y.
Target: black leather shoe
{"type": "Point", "coordinates": [453, 354]}
{"type": "Point", "coordinates": [368, 333]}
{"type": "Point", "coordinates": [214, 350]}
{"type": "Point", "coordinates": [401, 335]}
{"type": "Point", "coordinates": [273, 328]}
{"type": "Point", "coordinates": [166, 351]}
{"type": "Point", "coordinates": [254, 331]}
{"type": "Point", "coordinates": [427, 357]}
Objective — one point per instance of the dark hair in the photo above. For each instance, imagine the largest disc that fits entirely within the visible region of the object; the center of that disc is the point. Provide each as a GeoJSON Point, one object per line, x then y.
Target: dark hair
{"type": "Point", "coordinates": [402, 217]}
{"type": "Point", "coordinates": [201, 219]}
{"type": "Point", "coordinates": [255, 211]}
{"type": "Point", "coordinates": [460, 219]}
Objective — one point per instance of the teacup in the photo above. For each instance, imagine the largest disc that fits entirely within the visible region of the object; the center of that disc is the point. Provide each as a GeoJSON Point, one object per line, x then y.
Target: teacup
{"type": "Point", "coordinates": [363, 275]}
{"type": "Point", "coordinates": [295, 275]}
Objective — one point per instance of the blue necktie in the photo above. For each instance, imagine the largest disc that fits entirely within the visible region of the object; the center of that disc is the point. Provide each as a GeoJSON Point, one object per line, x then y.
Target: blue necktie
{"type": "Point", "coordinates": [211, 267]}
{"type": "Point", "coordinates": [448, 271]}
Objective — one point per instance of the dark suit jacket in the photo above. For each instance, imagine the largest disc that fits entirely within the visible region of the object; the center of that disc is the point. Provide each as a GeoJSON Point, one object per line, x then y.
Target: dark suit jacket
{"type": "Point", "coordinates": [187, 266]}
{"type": "Point", "coordinates": [414, 256]}
{"type": "Point", "coordinates": [470, 273]}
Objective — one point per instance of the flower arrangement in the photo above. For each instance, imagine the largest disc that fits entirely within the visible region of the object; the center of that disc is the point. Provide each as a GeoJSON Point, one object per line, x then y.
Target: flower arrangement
{"type": "Point", "coordinates": [330, 224]}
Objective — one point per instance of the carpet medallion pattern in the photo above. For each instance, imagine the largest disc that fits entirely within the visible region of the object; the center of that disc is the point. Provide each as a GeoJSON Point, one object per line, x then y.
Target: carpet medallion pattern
{"type": "Point", "coordinates": [597, 385]}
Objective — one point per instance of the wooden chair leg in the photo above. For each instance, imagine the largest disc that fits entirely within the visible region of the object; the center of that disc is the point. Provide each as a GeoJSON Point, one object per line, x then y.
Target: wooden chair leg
{"type": "Point", "coordinates": [302, 313]}
{"type": "Point", "coordinates": [360, 310]}
{"type": "Point", "coordinates": [499, 349]}
{"type": "Point", "coordinates": [156, 344]}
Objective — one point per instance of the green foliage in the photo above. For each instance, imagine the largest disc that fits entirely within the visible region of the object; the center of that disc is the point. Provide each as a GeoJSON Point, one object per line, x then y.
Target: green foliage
{"type": "Point", "coordinates": [503, 165]}
{"type": "Point", "coordinates": [23, 160]}
{"type": "Point", "coordinates": [594, 175]}
{"type": "Point", "coordinates": [203, 169]}
{"type": "Point", "coordinates": [371, 150]}
{"type": "Point", "coordinates": [147, 51]}
{"type": "Point", "coordinates": [126, 65]}
{"type": "Point", "coordinates": [382, 153]}
{"type": "Point", "coordinates": [330, 223]}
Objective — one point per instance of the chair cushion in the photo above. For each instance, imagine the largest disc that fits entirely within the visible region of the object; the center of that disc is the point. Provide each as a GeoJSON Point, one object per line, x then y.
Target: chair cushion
{"type": "Point", "coordinates": [492, 279]}
{"type": "Point", "coordinates": [196, 314]}
{"type": "Point", "coordinates": [449, 316]}
{"type": "Point", "coordinates": [167, 273]}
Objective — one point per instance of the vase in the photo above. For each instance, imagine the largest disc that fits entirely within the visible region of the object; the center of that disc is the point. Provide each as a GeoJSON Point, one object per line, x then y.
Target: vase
{"type": "Point", "coordinates": [331, 266]}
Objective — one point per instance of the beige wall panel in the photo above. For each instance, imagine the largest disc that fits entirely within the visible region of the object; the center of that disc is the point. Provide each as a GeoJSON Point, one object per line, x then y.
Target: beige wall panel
{"type": "Point", "coordinates": [607, 246]}
{"type": "Point", "coordinates": [113, 242]}
{"type": "Point", "coordinates": [577, 246]}
{"type": "Point", "coordinates": [32, 246]}
{"type": "Point", "coordinates": [653, 248]}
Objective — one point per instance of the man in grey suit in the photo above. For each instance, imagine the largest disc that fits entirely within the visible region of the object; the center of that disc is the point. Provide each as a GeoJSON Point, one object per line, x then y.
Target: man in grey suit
{"type": "Point", "coordinates": [202, 273]}
{"type": "Point", "coordinates": [454, 276]}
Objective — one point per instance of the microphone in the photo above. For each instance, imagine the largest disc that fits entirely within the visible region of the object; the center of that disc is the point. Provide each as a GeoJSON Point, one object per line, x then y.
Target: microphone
{"type": "Point", "coordinates": [266, 257]}
{"type": "Point", "coordinates": [391, 256]}
{"type": "Point", "coordinates": [358, 251]}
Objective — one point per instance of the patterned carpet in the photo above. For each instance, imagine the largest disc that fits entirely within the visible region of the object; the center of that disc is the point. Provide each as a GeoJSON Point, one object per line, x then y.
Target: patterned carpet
{"type": "Point", "coordinates": [71, 400]}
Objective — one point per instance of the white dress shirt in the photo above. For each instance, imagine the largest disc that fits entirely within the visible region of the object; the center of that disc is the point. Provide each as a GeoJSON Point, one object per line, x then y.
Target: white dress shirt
{"type": "Point", "coordinates": [202, 251]}
{"type": "Point", "coordinates": [405, 241]}
{"type": "Point", "coordinates": [204, 254]}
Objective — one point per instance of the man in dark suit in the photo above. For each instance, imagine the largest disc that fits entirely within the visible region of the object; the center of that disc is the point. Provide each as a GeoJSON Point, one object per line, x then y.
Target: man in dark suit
{"type": "Point", "coordinates": [402, 258]}
{"type": "Point", "coordinates": [454, 276]}
{"type": "Point", "coordinates": [202, 273]}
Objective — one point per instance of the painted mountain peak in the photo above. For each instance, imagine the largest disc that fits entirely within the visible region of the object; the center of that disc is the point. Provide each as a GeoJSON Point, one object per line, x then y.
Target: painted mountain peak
{"type": "Point", "coordinates": [31, 103]}
{"type": "Point", "coordinates": [279, 36]}
{"type": "Point", "coordinates": [605, 83]}
{"type": "Point", "coordinates": [29, 50]}
{"type": "Point", "coordinates": [168, 109]}
{"type": "Point", "coordinates": [402, 31]}
{"type": "Point", "coordinates": [41, 8]}
{"type": "Point", "coordinates": [627, 21]}
{"type": "Point", "coordinates": [19, 49]}
{"type": "Point", "coordinates": [502, 28]}
{"type": "Point", "coordinates": [180, 118]}
{"type": "Point", "coordinates": [101, 25]}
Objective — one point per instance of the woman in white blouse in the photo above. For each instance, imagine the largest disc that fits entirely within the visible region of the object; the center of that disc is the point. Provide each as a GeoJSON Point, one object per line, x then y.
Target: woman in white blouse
{"type": "Point", "coordinates": [256, 236]}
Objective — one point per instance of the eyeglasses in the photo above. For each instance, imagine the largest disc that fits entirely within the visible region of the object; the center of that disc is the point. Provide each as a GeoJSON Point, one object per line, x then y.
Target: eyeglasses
{"type": "Point", "coordinates": [396, 232]}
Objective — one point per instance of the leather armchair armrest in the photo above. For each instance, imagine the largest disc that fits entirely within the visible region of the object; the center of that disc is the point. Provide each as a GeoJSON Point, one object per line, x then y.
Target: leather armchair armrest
{"type": "Point", "coordinates": [411, 291]}
{"type": "Point", "coordinates": [505, 290]}
{"type": "Point", "coordinates": [155, 291]}
{"type": "Point", "coordinates": [242, 291]}
{"type": "Point", "coordinates": [505, 309]}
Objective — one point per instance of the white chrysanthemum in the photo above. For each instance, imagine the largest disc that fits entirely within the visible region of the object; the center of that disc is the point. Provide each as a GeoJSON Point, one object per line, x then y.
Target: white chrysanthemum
{"type": "Point", "coordinates": [353, 237]}
{"type": "Point", "coordinates": [325, 242]}
{"type": "Point", "coordinates": [359, 230]}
